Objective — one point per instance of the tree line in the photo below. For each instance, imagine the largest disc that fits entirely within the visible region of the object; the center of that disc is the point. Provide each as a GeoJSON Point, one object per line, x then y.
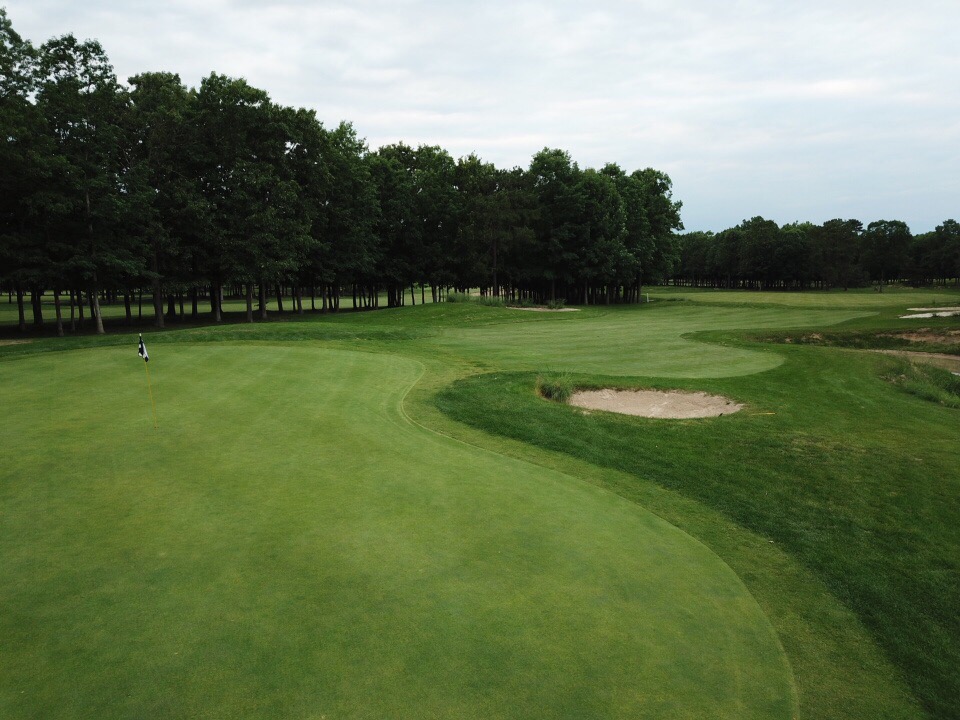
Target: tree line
{"type": "Point", "coordinates": [760, 254]}
{"type": "Point", "coordinates": [110, 191]}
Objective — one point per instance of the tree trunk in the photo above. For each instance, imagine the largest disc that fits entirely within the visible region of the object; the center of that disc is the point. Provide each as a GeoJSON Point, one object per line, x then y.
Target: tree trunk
{"type": "Point", "coordinates": [299, 300]}
{"type": "Point", "coordinates": [126, 307]}
{"type": "Point", "coordinates": [73, 322]}
{"type": "Point", "coordinates": [262, 300]}
{"type": "Point", "coordinates": [37, 306]}
{"type": "Point", "coordinates": [249, 302]}
{"type": "Point", "coordinates": [171, 307]}
{"type": "Point", "coordinates": [59, 311]}
{"type": "Point", "coordinates": [80, 309]}
{"type": "Point", "coordinates": [95, 299]}
{"type": "Point", "coordinates": [215, 302]}
{"type": "Point", "coordinates": [194, 310]}
{"type": "Point", "coordinates": [413, 296]}
{"type": "Point", "coordinates": [157, 291]}
{"type": "Point", "coordinates": [279, 299]}
{"type": "Point", "coordinates": [496, 285]}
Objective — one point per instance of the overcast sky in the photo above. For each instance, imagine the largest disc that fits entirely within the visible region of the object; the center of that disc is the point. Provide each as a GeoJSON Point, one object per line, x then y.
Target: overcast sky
{"type": "Point", "coordinates": [794, 110]}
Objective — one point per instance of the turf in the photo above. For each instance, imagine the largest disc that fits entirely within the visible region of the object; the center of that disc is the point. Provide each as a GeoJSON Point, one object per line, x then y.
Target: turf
{"type": "Point", "coordinates": [290, 545]}
{"type": "Point", "coordinates": [291, 453]}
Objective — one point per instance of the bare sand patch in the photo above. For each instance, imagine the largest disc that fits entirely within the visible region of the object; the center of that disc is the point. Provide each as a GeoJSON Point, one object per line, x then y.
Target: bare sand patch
{"type": "Point", "coordinates": [656, 403]}
{"type": "Point", "coordinates": [926, 335]}
{"type": "Point", "coordinates": [933, 309]}
{"type": "Point", "coordinates": [543, 309]}
{"type": "Point", "coordinates": [15, 342]}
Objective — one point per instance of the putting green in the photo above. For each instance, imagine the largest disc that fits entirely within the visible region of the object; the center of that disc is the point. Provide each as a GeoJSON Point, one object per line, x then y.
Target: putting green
{"type": "Point", "coordinates": [289, 545]}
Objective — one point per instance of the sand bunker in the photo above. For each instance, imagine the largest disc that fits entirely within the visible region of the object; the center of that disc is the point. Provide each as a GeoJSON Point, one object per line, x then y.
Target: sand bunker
{"type": "Point", "coordinates": [14, 342]}
{"type": "Point", "coordinates": [655, 403]}
{"type": "Point", "coordinates": [932, 312]}
{"type": "Point", "coordinates": [543, 309]}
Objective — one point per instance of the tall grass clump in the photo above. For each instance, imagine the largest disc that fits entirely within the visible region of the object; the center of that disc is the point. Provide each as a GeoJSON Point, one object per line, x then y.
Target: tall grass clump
{"type": "Point", "coordinates": [556, 387]}
{"type": "Point", "coordinates": [928, 382]}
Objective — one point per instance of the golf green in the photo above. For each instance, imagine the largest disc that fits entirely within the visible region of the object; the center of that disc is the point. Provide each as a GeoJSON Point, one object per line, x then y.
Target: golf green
{"type": "Point", "coordinates": [289, 544]}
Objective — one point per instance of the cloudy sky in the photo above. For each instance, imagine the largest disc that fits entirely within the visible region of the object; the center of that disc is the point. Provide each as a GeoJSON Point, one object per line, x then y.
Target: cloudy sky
{"type": "Point", "coordinates": [790, 109]}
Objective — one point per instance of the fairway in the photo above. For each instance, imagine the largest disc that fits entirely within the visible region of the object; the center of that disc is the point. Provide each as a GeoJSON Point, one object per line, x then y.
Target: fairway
{"type": "Point", "coordinates": [290, 545]}
{"type": "Point", "coordinates": [651, 340]}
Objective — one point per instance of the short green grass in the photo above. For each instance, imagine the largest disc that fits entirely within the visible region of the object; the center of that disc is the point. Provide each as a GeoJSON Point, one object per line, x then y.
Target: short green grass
{"type": "Point", "coordinates": [292, 544]}
{"type": "Point", "coordinates": [288, 544]}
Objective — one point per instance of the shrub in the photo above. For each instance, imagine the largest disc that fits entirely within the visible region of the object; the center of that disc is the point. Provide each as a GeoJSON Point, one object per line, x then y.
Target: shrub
{"type": "Point", "coordinates": [556, 304]}
{"type": "Point", "coordinates": [522, 303]}
{"type": "Point", "coordinates": [488, 300]}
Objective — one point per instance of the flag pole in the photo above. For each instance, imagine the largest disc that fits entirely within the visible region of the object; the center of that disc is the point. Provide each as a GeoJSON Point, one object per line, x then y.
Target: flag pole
{"type": "Point", "coordinates": [156, 425]}
{"type": "Point", "coordinates": [142, 352]}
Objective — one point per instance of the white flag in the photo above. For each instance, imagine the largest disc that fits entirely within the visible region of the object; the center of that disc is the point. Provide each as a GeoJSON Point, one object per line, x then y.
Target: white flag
{"type": "Point", "coordinates": [142, 352]}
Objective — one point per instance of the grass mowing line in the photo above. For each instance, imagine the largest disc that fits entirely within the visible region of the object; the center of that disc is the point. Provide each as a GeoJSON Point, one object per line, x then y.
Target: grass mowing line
{"type": "Point", "coordinates": [790, 452]}
{"type": "Point", "coordinates": [838, 670]}
{"type": "Point", "coordinates": [794, 691]}
{"type": "Point", "coordinates": [264, 582]}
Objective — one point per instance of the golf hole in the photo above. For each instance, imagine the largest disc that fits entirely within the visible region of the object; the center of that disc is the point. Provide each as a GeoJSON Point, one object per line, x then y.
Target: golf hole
{"type": "Point", "coordinates": [673, 404]}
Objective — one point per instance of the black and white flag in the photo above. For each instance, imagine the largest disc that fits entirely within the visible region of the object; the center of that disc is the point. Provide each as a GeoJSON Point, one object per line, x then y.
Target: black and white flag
{"type": "Point", "coordinates": [142, 352]}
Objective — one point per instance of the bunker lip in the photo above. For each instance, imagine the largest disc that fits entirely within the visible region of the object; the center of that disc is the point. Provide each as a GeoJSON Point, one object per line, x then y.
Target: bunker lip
{"type": "Point", "coordinates": [672, 404]}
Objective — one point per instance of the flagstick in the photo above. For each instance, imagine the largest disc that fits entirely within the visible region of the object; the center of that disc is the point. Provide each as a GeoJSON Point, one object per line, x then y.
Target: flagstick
{"type": "Point", "coordinates": [156, 425]}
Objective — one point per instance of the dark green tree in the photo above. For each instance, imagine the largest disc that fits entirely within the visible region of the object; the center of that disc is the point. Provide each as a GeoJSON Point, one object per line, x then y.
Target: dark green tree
{"type": "Point", "coordinates": [83, 108]}
{"type": "Point", "coordinates": [885, 247]}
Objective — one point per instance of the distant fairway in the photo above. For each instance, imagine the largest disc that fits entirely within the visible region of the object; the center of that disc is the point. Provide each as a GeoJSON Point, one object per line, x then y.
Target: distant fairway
{"type": "Point", "coordinates": [288, 545]}
{"type": "Point", "coordinates": [618, 342]}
